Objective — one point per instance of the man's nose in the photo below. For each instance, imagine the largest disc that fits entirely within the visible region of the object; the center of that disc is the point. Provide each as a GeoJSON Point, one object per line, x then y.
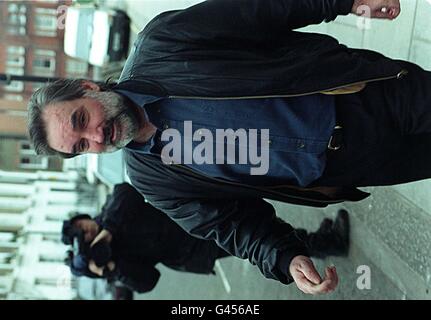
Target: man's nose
{"type": "Point", "coordinates": [95, 135]}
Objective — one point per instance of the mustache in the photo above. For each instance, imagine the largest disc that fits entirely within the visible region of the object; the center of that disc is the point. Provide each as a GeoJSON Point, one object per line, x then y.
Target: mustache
{"type": "Point", "coordinates": [107, 130]}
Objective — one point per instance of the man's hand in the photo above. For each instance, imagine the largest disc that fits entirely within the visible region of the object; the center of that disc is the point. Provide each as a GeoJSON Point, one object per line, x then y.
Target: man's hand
{"type": "Point", "coordinates": [99, 270]}
{"type": "Point", "coordinates": [308, 279]}
{"type": "Point", "coordinates": [383, 9]}
{"type": "Point", "coordinates": [103, 235]}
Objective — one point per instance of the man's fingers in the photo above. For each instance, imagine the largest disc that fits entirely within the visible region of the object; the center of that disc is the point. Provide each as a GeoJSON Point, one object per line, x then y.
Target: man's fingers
{"type": "Point", "coordinates": [307, 278]}
{"type": "Point", "coordinates": [330, 282]}
{"type": "Point", "coordinates": [382, 9]}
{"type": "Point", "coordinates": [331, 274]}
{"type": "Point", "coordinates": [394, 12]}
{"type": "Point", "coordinates": [389, 9]}
{"type": "Point", "coordinates": [94, 268]}
{"type": "Point", "coordinates": [326, 286]}
{"type": "Point", "coordinates": [103, 235]}
{"type": "Point", "coordinates": [304, 284]}
{"type": "Point", "coordinates": [386, 13]}
{"type": "Point", "coordinates": [310, 273]}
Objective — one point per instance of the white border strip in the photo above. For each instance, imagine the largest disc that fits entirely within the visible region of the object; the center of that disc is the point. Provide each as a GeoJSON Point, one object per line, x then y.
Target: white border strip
{"type": "Point", "coordinates": [223, 277]}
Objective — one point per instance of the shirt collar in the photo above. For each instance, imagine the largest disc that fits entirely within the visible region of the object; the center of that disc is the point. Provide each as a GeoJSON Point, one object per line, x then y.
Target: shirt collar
{"type": "Point", "coordinates": [141, 100]}
{"type": "Point", "coordinates": [150, 146]}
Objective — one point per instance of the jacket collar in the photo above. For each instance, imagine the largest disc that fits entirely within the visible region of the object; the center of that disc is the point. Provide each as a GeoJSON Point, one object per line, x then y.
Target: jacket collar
{"type": "Point", "coordinates": [143, 87]}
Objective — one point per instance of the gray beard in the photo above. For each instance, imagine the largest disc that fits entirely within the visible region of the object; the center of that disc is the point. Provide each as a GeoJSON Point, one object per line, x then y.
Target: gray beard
{"type": "Point", "coordinates": [116, 110]}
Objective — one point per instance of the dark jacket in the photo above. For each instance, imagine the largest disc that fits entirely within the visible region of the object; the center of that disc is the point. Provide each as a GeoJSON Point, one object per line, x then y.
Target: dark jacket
{"type": "Point", "coordinates": [241, 49]}
{"type": "Point", "coordinates": [143, 236]}
{"type": "Point", "coordinates": [246, 48]}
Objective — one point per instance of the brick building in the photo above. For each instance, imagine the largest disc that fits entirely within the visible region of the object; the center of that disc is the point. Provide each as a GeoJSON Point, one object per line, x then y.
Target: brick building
{"type": "Point", "coordinates": [32, 37]}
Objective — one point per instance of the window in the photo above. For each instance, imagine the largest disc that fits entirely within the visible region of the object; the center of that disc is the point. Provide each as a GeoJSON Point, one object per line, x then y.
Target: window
{"type": "Point", "coordinates": [46, 53]}
{"type": "Point", "coordinates": [54, 237]}
{"type": "Point", "coordinates": [46, 22]}
{"type": "Point", "coordinates": [25, 145]}
{"type": "Point", "coordinates": [76, 68]}
{"type": "Point", "coordinates": [49, 258]}
{"type": "Point", "coordinates": [15, 56]}
{"type": "Point", "coordinates": [54, 217]}
{"type": "Point", "coordinates": [46, 281]}
{"type": "Point", "coordinates": [13, 97]}
{"type": "Point", "coordinates": [15, 86]}
{"type": "Point", "coordinates": [44, 62]}
{"type": "Point", "coordinates": [17, 61]}
{"type": "Point", "coordinates": [46, 11]}
{"type": "Point", "coordinates": [17, 8]}
{"type": "Point", "coordinates": [15, 70]}
{"type": "Point", "coordinates": [28, 158]}
{"type": "Point", "coordinates": [33, 162]}
{"type": "Point", "coordinates": [7, 257]}
{"type": "Point", "coordinates": [7, 237]}
{"type": "Point", "coordinates": [17, 19]}
{"type": "Point", "coordinates": [15, 30]}
{"type": "Point", "coordinates": [18, 50]}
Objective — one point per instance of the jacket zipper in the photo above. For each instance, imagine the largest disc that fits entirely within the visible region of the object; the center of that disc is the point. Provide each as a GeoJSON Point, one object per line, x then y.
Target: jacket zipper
{"type": "Point", "coordinates": [399, 75]}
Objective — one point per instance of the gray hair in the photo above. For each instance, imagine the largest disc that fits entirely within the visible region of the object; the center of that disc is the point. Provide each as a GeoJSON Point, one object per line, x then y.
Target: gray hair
{"type": "Point", "coordinates": [59, 91]}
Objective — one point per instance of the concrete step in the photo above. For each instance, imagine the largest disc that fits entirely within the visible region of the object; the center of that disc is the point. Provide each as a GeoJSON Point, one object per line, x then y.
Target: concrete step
{"type": "Point", "coordinates": [382, 287]}
{"type": "Point", "coordinates": [396, 234]}
{"type": "Point", "coordinates": [390, 234]}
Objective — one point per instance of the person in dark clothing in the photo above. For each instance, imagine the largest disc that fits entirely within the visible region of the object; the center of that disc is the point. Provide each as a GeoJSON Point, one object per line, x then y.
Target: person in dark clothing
{"type": "Point", "coordinates": [329, 118]}
{"type": "Point", "coordinates": [141, 236]}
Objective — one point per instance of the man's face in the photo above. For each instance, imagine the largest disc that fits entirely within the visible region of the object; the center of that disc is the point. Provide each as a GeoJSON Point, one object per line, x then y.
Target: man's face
{"type": "Point", "coordinates": [89, 227]}
{"type": "Point", "coordinates": [98, 122]}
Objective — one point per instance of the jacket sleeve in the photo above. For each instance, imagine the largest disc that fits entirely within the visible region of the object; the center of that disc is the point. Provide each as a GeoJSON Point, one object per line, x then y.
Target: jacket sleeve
{"type": "Point", "coordinates": [119, 207]}
{"type": "Point", "coordinates": [248, 229]}
{"type": "Point", "coordinates": [251, 19]}
{"type": "Point", "coordinates": [138, 277]}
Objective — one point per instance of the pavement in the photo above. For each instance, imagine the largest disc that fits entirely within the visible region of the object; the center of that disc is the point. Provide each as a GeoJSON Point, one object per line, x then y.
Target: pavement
{"type": "Point", "coordinates": [391, 230]}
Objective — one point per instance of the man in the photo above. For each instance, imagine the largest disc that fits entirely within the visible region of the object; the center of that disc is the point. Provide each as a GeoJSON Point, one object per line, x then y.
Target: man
{"type": "Point", "coordinates": [140, 236]}
{"type": "Point", "coordinates": [329, 118]}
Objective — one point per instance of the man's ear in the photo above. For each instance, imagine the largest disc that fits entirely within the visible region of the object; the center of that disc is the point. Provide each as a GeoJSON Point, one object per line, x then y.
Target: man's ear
{"type": "Point", "coordinates": [90, 86]}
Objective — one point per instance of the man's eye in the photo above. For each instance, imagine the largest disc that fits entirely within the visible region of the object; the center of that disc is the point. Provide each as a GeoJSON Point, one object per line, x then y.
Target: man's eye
{"type": "Point", "coordinates": [82, 119]}
{"type": "Point", "coordinates": [82, 146]}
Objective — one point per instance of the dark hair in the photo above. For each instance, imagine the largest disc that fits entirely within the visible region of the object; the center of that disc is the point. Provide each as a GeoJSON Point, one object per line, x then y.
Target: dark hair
{"type": "Point", "coordinates": [58, 91]}
{"type": "Point", "coordinates": [68, 230]}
